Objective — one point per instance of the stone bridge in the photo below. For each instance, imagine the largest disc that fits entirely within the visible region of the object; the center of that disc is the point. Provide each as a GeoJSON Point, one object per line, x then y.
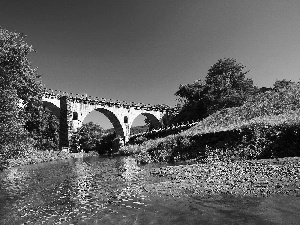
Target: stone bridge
{"type": "Point", "coordinates": [71, 109]}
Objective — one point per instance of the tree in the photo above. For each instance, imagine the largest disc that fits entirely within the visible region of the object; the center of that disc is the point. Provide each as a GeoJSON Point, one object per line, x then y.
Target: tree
{"type": "Point", "coordinates": [50, 132]}
{"type": "Point", "coordinates": [19, 85]}
{"type": "Point", "coordinates": [149, 124]}
{"type": "Point", "coordinates": [10, 118]}
{"type": "Point", "coordinates": [107, 144]}
{"type": "Point", "coordinates": [225, 86]}
{"type": "Point", "coordinates": [280, 84]}
{"type": "Point", "coordinates": [44, 128]}
{"type": "Point", "coordinates": [87, 138]}
{"type": "Point", "coordinates": [191, 92]}
{"type": "Point", "coordinates": [194, 102]}
{"type": "Point", "coordinates": [228, 85]}
{"type": "Point", "coordinates": [23, 92]}
{"type": "Point", "coordinates": [16, 71]}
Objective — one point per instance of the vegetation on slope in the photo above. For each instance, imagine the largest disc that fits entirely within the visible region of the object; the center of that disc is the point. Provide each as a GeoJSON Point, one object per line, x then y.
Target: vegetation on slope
{"type": "Point", "coordinates": [271, 107]}
{"type": "Point", "coordinates": [265, 126]}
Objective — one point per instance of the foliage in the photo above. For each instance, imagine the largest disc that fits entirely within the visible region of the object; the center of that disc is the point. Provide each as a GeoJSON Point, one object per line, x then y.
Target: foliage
{"type": "Point", "coordinates": [11, 120]}
{"type": "Point", "coordinates": [92, 137]}
{"type": "Point", "coordinates": [44, 128]}
{"type": "Point", "coordinates": [225, 86]}
{"type": "Point", "coordinates": [191, 92]}
{"type": "Point", "coordinates": [107, 144]}
{"type": "Point", "coordinates": [74, 143]}
{"type": "Point", "coordinates": [87, 138]}
{"type": "Point", "coordinates": [195, 102]}
{"type": "Point", "coordinates": [149, 123]}
{"type": "Point", "coordinates": [16, 72]}
{"type": "Point", "coordinates": [168, 118]}
{"type": "Point", "coordinates": [20, 93]}
{"type": "Point", "coordinates": [21, 104]}
{"type": "Point", "coordinates": [257, 140]}
{"type": "Point", "coordinates": [266, 137]}
{"type": "Point", "coordinates": [281, 84]}
{"type": "Point", "coordinates": [138, 139]}
{"type": "Point", "coordinates": [265, 126]}
{"type": "Point", "coordinates": [192, 111]}
{"type": "Point", "coordinates": [262, 105]}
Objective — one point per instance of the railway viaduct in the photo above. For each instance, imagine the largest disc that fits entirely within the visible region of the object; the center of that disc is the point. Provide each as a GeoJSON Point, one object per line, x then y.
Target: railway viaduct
{"type": "Point", "coordinates": [71, 109]}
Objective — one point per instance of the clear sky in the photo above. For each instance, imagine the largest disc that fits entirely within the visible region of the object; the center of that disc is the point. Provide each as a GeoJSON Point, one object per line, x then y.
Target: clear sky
{"type": "Point", "coordinates": [142, 50]}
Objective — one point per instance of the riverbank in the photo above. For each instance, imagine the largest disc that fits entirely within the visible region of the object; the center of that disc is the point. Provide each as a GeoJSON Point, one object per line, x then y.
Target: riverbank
{"type": "Point", "coordinates": [256, 178]}
{"type": "Point", "coordinates": [35, 157]}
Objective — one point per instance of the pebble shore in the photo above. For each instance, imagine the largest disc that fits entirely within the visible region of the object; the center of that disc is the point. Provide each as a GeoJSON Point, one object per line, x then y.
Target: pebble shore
{"type": "Point", "coordinates": [257, 178]}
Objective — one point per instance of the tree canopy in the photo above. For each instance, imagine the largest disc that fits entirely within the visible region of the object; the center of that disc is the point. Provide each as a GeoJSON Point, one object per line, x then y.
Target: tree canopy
{"type": "Point", "coordinates": [280, 84]}
{"type": "Point", "coordinates": [87, 137]}
{"type": "Point", "coordinates": [19, 85]}
{"type": "Point", "coordinates": [224, 86]}
{"type": "Point", "coordinates": [16, 71]}
{"type": "Point", "coordinates": [23, 122]}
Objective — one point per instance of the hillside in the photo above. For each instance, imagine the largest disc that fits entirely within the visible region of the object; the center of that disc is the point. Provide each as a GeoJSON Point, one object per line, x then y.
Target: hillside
{"type": "Point", "coordinates": [262, 127]}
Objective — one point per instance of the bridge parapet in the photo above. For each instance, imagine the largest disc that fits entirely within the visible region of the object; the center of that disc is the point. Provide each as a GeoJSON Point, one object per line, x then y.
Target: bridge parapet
{"type": "Point", "coordinates": [164, 131]}
{"type": "Point", "coordinates": [50, 93]}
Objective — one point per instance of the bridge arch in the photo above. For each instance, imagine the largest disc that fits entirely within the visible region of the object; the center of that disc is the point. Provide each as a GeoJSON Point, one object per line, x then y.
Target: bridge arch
{"type": "Point", "coordinates": [112, 118]}
{"type": "Point", "coordinates": [155, 121]}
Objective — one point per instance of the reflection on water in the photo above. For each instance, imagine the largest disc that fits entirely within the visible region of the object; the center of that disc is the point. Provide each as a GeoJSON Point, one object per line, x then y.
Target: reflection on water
{"type": "Point", "coordinates": [110, 191]}
{"type": "Point", "coordinates": [16, 181]}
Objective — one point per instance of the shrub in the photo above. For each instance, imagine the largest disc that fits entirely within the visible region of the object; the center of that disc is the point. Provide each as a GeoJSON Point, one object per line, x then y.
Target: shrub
{"type": "Point", "coordinates": [107, 144]}
{"type": "Point", "coordinates": [140, 139]}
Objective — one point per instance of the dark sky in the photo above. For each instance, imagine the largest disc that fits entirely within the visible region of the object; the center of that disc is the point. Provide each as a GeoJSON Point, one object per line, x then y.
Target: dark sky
{"type": "Point", "coordinates": [142, 50]}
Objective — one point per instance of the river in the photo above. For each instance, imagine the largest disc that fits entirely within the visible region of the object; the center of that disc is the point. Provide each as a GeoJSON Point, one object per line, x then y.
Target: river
{"type": "Point", "coordinates": [95, 190]}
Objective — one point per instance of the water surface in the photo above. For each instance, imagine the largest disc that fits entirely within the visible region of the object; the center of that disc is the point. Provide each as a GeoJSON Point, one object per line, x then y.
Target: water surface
{"type": "Point", "coordinates": [96, 190]}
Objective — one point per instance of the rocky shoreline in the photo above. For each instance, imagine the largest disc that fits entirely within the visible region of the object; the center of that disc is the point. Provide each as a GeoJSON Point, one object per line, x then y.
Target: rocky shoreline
{"type": "Point", "coordinates": [256, 178]}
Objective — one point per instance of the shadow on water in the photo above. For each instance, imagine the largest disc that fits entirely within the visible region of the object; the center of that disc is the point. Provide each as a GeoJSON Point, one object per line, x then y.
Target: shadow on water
{"type": "Point", "coordinates": [96, 190]}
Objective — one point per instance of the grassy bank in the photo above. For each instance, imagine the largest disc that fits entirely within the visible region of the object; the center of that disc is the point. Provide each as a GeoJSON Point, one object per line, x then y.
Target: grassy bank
{"type": "Point", "coordinates": [266, 126]}
{"type": "Point", "coordinates": [261, 137]}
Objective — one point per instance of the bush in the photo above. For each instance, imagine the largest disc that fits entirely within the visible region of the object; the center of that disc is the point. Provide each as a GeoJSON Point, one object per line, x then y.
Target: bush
{"type": "Point", "coordinates": [87, 138]}
{"type": "Point", "coordinates": [107, 144]}
{"type": "Point", "coordinates": [139, 139]}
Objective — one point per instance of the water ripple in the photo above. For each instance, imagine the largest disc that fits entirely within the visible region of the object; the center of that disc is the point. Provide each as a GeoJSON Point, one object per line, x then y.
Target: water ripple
{"type": "Point", "coordinates": [110, 191]}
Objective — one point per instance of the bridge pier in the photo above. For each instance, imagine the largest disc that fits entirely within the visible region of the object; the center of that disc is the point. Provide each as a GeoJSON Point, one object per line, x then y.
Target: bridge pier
{"type": "Point", "coordinates": [66, 123]}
